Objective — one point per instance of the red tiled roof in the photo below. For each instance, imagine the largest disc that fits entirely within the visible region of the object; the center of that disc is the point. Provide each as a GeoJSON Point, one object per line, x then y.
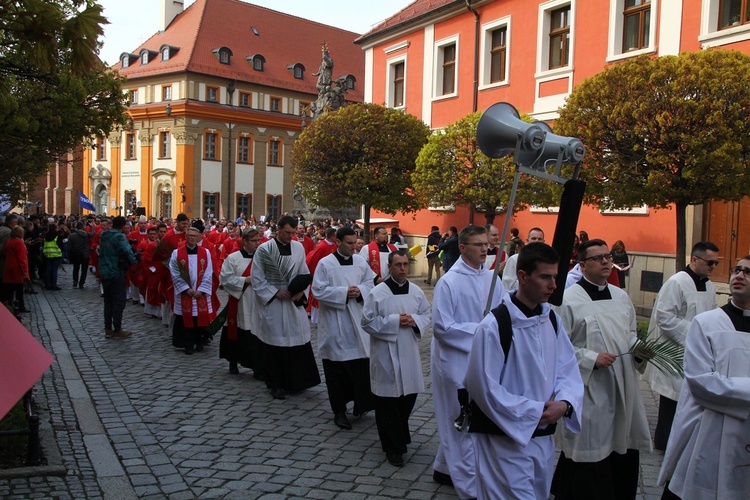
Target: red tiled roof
{"type": "Point", "coordinates": [409, 13]}
{"type": "Point", "coordinates": [282, 40]}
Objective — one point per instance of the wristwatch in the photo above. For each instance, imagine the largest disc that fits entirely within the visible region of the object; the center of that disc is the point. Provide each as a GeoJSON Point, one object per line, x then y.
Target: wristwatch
{"type": "Point", "coordinates": [569, 412]}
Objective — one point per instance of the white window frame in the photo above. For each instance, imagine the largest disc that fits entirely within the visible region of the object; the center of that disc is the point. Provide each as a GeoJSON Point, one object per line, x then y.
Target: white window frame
{"type": "Point", "coordinates": [617, 32]}
{"type": "Point", "coordinates": [710, 35]}
{"type": "Point", "coordinates": [165, 54]}
{"type": "Point", "coordinates": [545, 108]}
{"type": "Point", "coordinates": [437, 87]}
{"type": "Point", "coordinates": [486, 47]}
{"type": "Point", "coordinates": [389, 87]}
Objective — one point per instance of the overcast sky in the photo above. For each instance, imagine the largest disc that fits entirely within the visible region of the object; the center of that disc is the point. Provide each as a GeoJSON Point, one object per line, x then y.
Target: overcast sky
{"type": "Point", "coordinates": [132, 22]}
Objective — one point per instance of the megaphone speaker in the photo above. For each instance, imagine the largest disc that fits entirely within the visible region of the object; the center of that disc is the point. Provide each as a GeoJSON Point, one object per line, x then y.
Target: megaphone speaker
{"type": "Point", "coordinates": [568, 149]}
{"type": "Point", "coordinates": [501, 132]}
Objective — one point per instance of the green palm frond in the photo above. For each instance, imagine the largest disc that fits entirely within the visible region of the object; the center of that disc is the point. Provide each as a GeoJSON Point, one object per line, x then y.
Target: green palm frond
{"type": "Point", "coordinates": [665, 354]}
{"type": "Point", "coordinates": [276, 270]}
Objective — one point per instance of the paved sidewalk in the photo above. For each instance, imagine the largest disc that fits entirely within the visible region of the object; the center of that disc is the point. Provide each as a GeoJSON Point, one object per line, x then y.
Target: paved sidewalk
{"type": "Point", "coordinates": [135, 418]}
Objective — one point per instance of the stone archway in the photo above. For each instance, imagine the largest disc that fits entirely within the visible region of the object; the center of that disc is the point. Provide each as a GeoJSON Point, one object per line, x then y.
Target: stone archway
{"type": "Point", "coordinates": [100, 180]}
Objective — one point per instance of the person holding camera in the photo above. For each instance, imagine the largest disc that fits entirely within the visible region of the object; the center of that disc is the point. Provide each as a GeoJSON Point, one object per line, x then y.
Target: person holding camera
{"type": "Point", "coordinates": [115, 257]}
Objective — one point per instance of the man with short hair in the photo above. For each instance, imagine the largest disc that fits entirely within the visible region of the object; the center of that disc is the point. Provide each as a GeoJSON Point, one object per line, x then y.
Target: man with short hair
{"type": "Point", "coordinates": [510, 280]}
{"type": "Point", "coordinates": [602, 460]}
{"type": "Point", "coordinates": [114, 251]}
{"type": "Point", "coordinates": [192, 271]}
{"type": "Point", "coordinates": [78, 253]}
{"type": "Point", "coordinates": [495, 256]}
{"type": "Point", "coordinates": [358, 246]}
{"type": "Point", "coordinates": [279, 279]}
{"type": "Point", "coordinates": [433, 254]}
{"type": "Point", "coordinates": [524, 387]}
{"type": "Point", "coordinates": [707, 454]}
{"type": "Point", "coordinates": [396, 315]}
{"type": "Point", "coordinates": [449, 246]}
{"type": "Point", "coordinates": [376, 253]}
{"type": "Point", "coordinates": [303, 238]}
{"type": "Point", "coordinates": [458, 307]}
{"type": "Point", "coordinates": [682, 297]}
{"type": "Point", "coordinates": [341, 283]}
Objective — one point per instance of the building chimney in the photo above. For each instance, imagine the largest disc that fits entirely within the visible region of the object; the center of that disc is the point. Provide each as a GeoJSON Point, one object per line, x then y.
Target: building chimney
{"type": "Point", "coordinates": [169, 10]}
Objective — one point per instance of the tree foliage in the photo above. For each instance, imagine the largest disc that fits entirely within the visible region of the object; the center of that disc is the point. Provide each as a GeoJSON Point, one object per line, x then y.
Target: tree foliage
{"type": "Point", "coordinates": [452, 169]}
{"type": "Point", "coordinates": [54, 90]}
{"type": "Point", "coordinates": [362, 154]}
{"type": "Point", "coordinates": [663, 131]}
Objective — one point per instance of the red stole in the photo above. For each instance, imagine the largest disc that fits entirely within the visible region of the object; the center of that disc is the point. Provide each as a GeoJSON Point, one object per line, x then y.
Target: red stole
{"type": "Point", "coordinates": [502, 256]}
{"type": "Point", "coordinates": [233, 307]}
{"type": "Point", "coordinates": [204, 317]}
{"type": "Point", "coordinates": [374, 253]}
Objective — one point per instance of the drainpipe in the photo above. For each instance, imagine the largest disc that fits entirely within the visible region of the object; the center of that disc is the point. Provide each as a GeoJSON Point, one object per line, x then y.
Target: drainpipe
{"type": "Point", "coordinates": [476, 55]}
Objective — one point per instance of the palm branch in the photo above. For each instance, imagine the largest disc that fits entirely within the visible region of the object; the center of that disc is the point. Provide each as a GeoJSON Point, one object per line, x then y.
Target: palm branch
{"type": "Point", "coordinates": [665, 354]}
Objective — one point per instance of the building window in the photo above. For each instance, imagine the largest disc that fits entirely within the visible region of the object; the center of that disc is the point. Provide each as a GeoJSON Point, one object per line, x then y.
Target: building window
{"type": "Point", "coordinates": [274, 152]}
{"type": "Point", "coordinates": [165, 142]}
{"type": "Point", "coordinates": [303, 108]}
{"type": "Point", "coordinates": [559, 37]}
{"type": "Point", "coordinates": [165, 54]}
{"type": "Point", "coordinates": [244, 202]}
{"type": "Point", "coordinates": [498, 54]}
{"type": "Point", "coordinates": [212, 94]}
{"type": "Point", "coordinates": [636, 25]}
{"type": "Point", "coordinates": [125, 60]}
{"type": "Point", "coordinates": [245, 99]}
{"type": "Point", "coordinates": [130, 146]}
{"type": "Point", "coordinates": [243, 149]}
{"type": "Point", "coordinates": [101, 148]}
{"type": "Point", "coordinates": [257, 61]}
{"type": "Point", "coordinates": [209, 150]}
{"type": "Point", "coordinates": [166, 93]}
{"type": "Point", "coordinates": [349, 82]}
{"type": "Point", "coordinates": [165, 205]}
{"type": "Point", "coordinates": [130, 202]}
{"type": "Point", "coordinates": [223, 54]}
{"type": "Point", "coordinates": [133, 96]}
{"type": "Point", "coordinates": [733, 13]}
{"type": "Point", "coordinates": [273, 206]}
{"type": "Point", "coordinates": [144, 57]}
{"type": "Point", "coordinates": [397, 84]}
{"type": "Point", "coordinates": [447, 65]}
{"type": "Point", "coordinates": [210, 204]}
{"type": "Point", "coordinates": [275, 104]}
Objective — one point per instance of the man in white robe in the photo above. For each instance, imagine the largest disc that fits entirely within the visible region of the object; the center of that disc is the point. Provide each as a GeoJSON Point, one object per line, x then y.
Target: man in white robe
{"type": "Point", "coordinates": [239, 345]}
{"type": "Point", "coordinates": [341, 284]}
{"type": "Point", "coordinates": [458, 307]}
{"type": "Point", "coordinates": [376, 252]}
{"type": "Point", "coordinates": [682, 297]}
{"type": "Point", "coordinates": [708, 455]}
{"type": "Point", "coordinates": [526, 393]}
{"type": "Point", "coordinates": [396, 314]}
{"type": "Point", "coordinates": [602, 460]}
{"type": "Point", "coordinates": [510, 280]}
{"type": "Point", "coordinates": [279, 279]}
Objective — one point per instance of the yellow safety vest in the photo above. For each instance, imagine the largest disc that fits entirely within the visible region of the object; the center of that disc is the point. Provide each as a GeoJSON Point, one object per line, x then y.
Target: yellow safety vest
{"type": "Point", "coordinates": [51, 249]}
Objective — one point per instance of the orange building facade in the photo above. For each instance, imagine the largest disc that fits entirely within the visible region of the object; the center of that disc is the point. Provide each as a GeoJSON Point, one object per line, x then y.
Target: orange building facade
{"type": "Point", "coordinates": [441, 60]}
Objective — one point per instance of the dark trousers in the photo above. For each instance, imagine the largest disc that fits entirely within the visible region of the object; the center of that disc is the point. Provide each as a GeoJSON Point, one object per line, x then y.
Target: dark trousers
{"type": "Point", "coordinates": [10, 289]}
{"type": "Point", "coordinates": [114, 302]}
{"type": "Point", "coordinates": [292, 369]}
{"type": "Point", "coordinates": [82, 264]}
{"type": "Point", "coordinates": [349, 381]}
{"type": "Point", "coordinates": [392, 419]}
{"type": "Point", "coordinates": [667, 409]}
{"type": "Point", "coordinates": [51, 266]}
{"type": "Point", "coordinates": [614, 478]}
{"type": "Point", "coordinates": [34, 271]}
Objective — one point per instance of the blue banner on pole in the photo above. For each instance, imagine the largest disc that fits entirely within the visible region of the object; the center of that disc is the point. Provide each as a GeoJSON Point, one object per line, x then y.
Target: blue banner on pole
{"type": "Point", "coordinates": [85, 202]}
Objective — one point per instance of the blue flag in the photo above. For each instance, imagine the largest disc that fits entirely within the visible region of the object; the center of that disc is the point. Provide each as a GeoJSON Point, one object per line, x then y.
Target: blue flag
{"type": "Point", "coordinates": [85, 202]}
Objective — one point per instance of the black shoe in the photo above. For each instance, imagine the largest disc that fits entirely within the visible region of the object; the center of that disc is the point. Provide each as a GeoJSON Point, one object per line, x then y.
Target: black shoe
{"type": "Point", "coordinates": [135, 302]}
{"type": "Point", "coordinates": [259, 376]}
{"type": "Point", "coordinates": [80, 286]}
{"type": "Point", "coordinates": [427, 282]}
{"type": "Point", "coordinates": [55, 288]}
{"type": "Point", "coordinates": [31, 291]}
{"type": "Point", "coordinates": [233, 370]}
{"type": "Point", "coordinates": [189, 350]}
{"type": "Point", "coordinates": [342, 422]}
{"type": "Point", "coordinates": [395, 459]}
{"type": "Point", "coordinates": [278, 393]}
{"type": "Point", "coordinates": [199, 347]}
{"type": "Point", "coordinates": [442, 478]}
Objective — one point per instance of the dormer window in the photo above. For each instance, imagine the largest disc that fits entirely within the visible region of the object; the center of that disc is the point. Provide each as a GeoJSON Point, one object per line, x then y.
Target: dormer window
{"type": "Point", "coordinates": [126, 59]}
{"type": "Point", "coordinates": [223, 54]}
{"type": "Point", "coordinates": [144, 57]}
{"type": "Point", "coordinates": [167, 51]}
{"type": "Point", "coordinates": [348, 81]}
{"type": "Point", "coordinates": [298, 70]}
{"type": "Point", "coordinates": [257, 61]}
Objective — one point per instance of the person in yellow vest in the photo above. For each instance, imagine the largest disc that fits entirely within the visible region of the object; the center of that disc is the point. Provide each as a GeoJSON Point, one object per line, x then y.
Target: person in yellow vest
{"type": "Point", "coordinates": [52, 251]}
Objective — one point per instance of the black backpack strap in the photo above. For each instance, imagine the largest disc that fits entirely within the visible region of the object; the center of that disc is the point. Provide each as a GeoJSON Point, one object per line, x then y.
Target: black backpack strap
{"type": "Point", "coordinates": [504, 327]}
{"type": "Point", "coordinates": [553, 320]}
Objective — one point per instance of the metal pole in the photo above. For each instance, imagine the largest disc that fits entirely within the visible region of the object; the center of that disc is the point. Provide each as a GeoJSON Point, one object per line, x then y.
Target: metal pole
{"type": "Point", "coordinates": [229, 178]}
{"type": "Point", "coordinates": [506, 227]}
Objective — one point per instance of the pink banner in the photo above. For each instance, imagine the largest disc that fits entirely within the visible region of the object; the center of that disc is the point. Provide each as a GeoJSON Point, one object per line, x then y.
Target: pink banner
{"type": "Point", "coordinates": [23, 360]}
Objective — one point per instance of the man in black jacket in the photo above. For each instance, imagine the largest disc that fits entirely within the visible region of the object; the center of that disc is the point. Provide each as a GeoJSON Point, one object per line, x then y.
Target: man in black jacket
{"type": "Point", "coordinates": [433, 255]}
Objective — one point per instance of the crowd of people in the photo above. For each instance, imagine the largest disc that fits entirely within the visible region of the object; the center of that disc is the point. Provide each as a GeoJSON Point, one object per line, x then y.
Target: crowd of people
{"type": "Point", "coordinates": [523, 380]}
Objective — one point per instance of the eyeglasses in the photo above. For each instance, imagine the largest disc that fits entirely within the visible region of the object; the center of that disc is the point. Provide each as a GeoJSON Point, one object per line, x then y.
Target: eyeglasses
{"type": "Point", "coordinates": [711, 263]}
{"type": "Point", "coordinates": [478, 245]}
{"type": "Point", "coordinates": [255, 240]}
{"type": "Point", "coordinates": [600, 258]}
{"type": "Point", "coordinates": [743, 270]}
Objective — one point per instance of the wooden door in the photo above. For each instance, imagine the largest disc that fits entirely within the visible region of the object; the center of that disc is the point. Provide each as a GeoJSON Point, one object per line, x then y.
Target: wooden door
{"type": "Point", "coordinates": [727, 224]}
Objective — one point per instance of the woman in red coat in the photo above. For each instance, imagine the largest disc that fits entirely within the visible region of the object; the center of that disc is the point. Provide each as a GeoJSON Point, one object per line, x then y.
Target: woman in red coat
{"type": "Point", "coordinates": [16, 268]}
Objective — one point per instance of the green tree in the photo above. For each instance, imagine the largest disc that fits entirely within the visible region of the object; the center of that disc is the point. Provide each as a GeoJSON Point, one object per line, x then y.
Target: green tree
{"type": "Point", "coordinates": [452, 169]}
{"type": "Point", "coordinates": [361, 154]}
{"type": "Point", "coordinates": [666, 131]}
{"type": "Point", "coordinates": [54, 90]}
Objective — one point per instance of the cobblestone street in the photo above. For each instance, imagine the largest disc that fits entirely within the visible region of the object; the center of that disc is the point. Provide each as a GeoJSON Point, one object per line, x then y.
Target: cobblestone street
{"type": "Point", "coordinates": [135, 418]}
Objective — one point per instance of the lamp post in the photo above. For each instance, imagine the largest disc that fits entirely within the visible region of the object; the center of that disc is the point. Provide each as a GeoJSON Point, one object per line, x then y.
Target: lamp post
{"type": "Point", "coordinates": [230, 92]}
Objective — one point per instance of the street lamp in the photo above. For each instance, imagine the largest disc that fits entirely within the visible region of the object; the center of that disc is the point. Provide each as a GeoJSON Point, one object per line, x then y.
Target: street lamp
{"type": "Point", "coordinates": [230, 92]}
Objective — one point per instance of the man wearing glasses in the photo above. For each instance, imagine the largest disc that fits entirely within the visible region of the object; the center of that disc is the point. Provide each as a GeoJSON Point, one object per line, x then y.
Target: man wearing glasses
{"type": "Point", "coordinates": [602, 461]}
{"type": "Point", "coordinates": [708, 455]}
{"type": "Point", "coordinates": [683, 296]}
